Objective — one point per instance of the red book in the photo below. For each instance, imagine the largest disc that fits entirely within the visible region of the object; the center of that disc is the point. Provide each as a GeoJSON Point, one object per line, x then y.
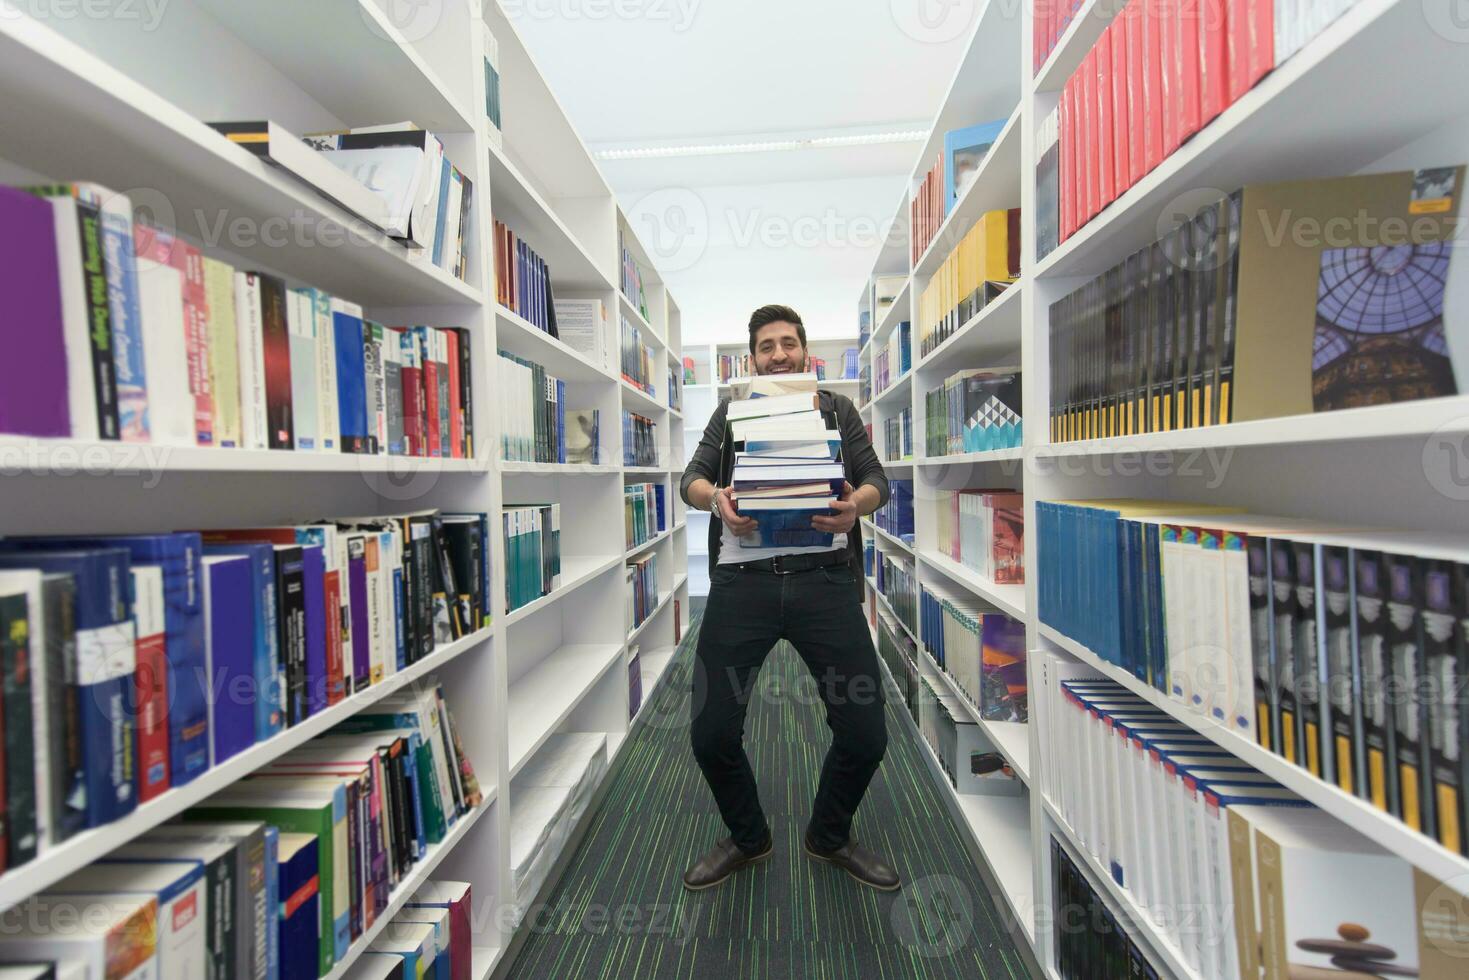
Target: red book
{"type": "Point", "coordinates": [1213, 60]}
{"type": "Point", "coordinates": [277, 355]}
{"type": "Point", "coordinates": [1132, 31]}
{"type": "Point", "coordinates": [1258, 37]}
{"type": "Point", "coordinates": [1066, 125]}
{"type": "Point", "coordinates": [454, 896]}
{"type": "Point", "coordinates": [1168, 100]}
{"type": "Point", "coordinates": [1121, 131]}
{"type": "Point", "coordinates": [164, 248]}
{"type": "Point", "coordinates": [1091, 174]}
{"type": "Point", "coordinates": [1040, 20]}
{"type": "Point", "coordinates": [432, 434]}
{"type": "Point", "coordinates": [151, 682]}
{"type": "Point", "coordinates": [1188, 34]}
{"type": "Point", "coordinates": [1106, 147]}
{"type": "Point", "coordinates": [456, 409]}
{"type": "Point", "coordinates": [1153, 92]}
{"type": "Point", "coordinates": [412, 373]}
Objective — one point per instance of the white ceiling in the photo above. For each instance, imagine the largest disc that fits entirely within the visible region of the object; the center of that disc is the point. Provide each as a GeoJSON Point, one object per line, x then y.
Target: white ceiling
{"type": "Point", "coordinates": [635, 72]}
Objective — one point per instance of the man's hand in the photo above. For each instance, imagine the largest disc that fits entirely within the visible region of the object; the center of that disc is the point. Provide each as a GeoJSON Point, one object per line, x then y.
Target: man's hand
{"type": "Point", "coordinates": [845, 517]}
{"type": "Point", "coordinates": [739, 524]}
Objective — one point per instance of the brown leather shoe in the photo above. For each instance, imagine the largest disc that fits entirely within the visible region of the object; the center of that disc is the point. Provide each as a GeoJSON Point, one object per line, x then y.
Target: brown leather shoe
{"type": "Point", "coordinates": [721, 861]}
{"type": "Point", "coordinates": [864, 865]}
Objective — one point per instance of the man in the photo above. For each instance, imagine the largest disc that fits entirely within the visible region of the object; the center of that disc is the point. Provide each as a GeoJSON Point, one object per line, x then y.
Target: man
{"type": "Point", "coordinates": [809, 596]}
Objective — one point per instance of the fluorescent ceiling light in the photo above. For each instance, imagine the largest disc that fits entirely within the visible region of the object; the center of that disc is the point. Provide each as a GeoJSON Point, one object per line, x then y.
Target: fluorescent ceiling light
{"type": "Point", "coordinates": [775, 145]}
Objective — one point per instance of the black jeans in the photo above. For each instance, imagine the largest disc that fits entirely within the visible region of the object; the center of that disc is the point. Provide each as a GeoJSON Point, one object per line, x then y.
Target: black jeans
{"type": "Point", "coordinates": [818, 612]}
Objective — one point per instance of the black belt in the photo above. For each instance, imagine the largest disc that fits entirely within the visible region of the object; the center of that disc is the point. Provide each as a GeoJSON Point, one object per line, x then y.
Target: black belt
{"type": "Point", "coordinates": [788, 564]}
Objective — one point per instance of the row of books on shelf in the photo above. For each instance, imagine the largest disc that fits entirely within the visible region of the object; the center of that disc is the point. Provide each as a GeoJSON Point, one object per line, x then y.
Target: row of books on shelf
{"type": "Point", "coordinates": [642, 587]}
{"type": "Point", "coordinates": [397, 177]}
{"type": "Point", "coordinates": [690, 373]}
{"type": "Point", "coordinates": [639, 440]}
{"type": "Point", "coordinates": [133, 334]}
{"type": "Point", "coordinates": [1240, 874]}
{"type": "Point", "coordinates": [494, 101]}
{"type": "Point", "coordinates": [981, 648]}
{"type": "Point", "coordinates": [864, 323]}
{"type": "Point", "coordinates": [675, 389]}
{"type": "Point", "coordinates": [643, 512]}
{"type": "Point", "coordinates": [277, 874]}
{"type": "Point", "coordinates": [864, 385]}
{"type": "Point", "coordinates": [532, 552]}
{"type": "Point", "coordinates": [552, 792]}
{"type": "Point", "coordinates": [1223, 320]}
{"type": "Point", "coordinates": [984, 530]}
{"type": "Point", "coordinates": [897, 581]}
{"type": "Point", "coordinates": [896, 516]}
{"type": "Point", "coordinates": [635, 676]}
{"type": "Point", "coordinates": [735, 366]}
{"type": "Point", "coordinates": [630, 277]}
{"type": "Point", "coordinates": [639, 361]}
{"type": "Point", "coordinates": [139, 662]}
{"type": "Point", "coordinates": [535, 424]}
{"type": "Point", "coordinates": [971, 276]}
{"type": "Point", "coordinates": [893, 359]}
{"type": "Point", "coordinates": [523, 280]}
{"type": "Point", "coordinates": [947, 180]}
{"type": "Point", "coordinates": [897, 436]}
{"type": "Point", "coordinates": [1091, 941]}
{"type": "Point", "coordinates": [1159, 72]}
{"type": "Point", "coordinates": [975, 410]}
{"type": "Point", "coordinates": [966, 756]}
{"type": "Point", "coordinates": [1341, 650]}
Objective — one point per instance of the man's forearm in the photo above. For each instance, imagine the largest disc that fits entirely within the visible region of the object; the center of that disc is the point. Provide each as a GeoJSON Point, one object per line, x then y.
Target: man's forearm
{"type": "Point", "coordinates": [867, 498]}
{"type": "Point", "coordinates": [701, 494]}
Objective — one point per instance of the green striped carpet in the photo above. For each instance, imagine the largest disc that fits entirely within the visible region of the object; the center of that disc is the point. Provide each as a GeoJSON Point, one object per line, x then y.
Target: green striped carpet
{"type": "Point", "coordinates": [620, 909]}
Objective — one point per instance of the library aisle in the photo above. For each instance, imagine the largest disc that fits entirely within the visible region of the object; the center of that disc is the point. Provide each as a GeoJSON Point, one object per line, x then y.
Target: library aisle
{"type": "Point", "coordinates": [788, 916]}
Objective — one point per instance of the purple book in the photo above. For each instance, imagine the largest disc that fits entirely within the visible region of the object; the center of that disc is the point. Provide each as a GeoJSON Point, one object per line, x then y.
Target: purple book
{"type": "Point", "coordinates": [33, 390]}
{"type": "Point", "coordinates": [314, 562]}
{"type": "Point", "coordinates": [229, 604]}
{"type": "Point", "coordinates": [357, 586]}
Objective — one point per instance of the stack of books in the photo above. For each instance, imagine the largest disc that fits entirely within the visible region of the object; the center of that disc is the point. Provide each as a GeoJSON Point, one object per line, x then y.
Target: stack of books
{"type": "Point", "coordinates": [787, 470]}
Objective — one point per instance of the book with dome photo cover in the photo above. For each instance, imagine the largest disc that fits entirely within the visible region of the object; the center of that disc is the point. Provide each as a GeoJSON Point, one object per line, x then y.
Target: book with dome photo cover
{"type": "Point", "coordinates": [1279, 299]}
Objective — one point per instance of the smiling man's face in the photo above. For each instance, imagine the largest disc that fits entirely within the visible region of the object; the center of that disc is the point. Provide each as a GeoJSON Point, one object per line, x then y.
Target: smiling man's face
{"type": "Point", "coordinates": [778, 349]}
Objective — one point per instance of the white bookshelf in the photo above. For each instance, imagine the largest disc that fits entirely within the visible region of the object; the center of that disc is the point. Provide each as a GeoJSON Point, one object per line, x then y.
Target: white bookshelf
{"type": "Point", "coordinates": [1316, 115]}
{"type": "Point", "coordinates": [104, 100]}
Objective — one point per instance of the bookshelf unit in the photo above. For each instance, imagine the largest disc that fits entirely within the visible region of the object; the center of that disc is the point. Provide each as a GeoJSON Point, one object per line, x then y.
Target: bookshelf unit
{"type": "Point", "coordinates": [1315, 115]}
{"type": "Point", "coordinates": [110, 102]}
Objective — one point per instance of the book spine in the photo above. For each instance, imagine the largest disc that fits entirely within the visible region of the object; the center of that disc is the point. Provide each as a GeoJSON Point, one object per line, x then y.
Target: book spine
{"type": "Point", "coordinates": [126, 317]}
{"type": "Point", "coordinates": [249, 326]}
{"type": "Point", "coordinates": [290, 584]}
{"type": "Point", "coordinates": [99, 318]}
{"type": "Point", "coordinates": [276, 350]}
{"type": "Point", "coordinates": [151, 683]}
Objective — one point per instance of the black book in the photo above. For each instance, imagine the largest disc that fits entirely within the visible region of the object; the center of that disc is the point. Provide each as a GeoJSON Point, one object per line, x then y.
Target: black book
{"type": "Point", "coordinates": [1308, 659]}
{"type": "Point", "coordinates": [1229, 270]}
{"type": "Point", "coordinates": [99, 318]}
{"type": "Point", "coordinates": [1444, 661]}
{"type": "Point", "coordinates": [420, 537]}
{"type": "Point", "coordinates": [1283, 610]}
{"type": "Point", "coordinates": [290, 599]}
{"type": "Point", "coordinates": [1262, 646]}
{"type": "Point", "coordinates": [20, 760]}
{"type": "Point", "coordinates": [1205, 254]}
{"type": "Point", "coordinates": [1405, 665]}
{"type": "Point", "coordinates": [1160, 347]}
{"type": "Point", "coordinates": [1341, 668]}
{"type": "Point", "coordinates": [1374, 666]}
{"type": "Point", "coordinates": [461, 538]}
{"type": "Point", "coordinates": [447, 610]}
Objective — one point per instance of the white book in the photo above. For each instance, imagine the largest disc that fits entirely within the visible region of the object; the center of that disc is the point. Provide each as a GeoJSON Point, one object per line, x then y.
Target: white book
{"type": "Point", "coordinates": [165, 352]}
{"type": "Point", "coordinates": [772, 405]}
{"type": "Point", "coordinates": [250, 338]}
{"type": "Point", "coordinates": [274, 144]}
{"type": "Point", "coordinates": [89, 930]}
{"type": "Point", "coordinates": [328, 431]}
{"type": "Point", "coordinates": [81, 392]}
{"type": "Point", "coordinates": [305, 401]}
{"type": "Point", "coordinates": [581, 323]}
{"type": "Point", "coordinates": [392, 173]}
{"type": "Point", "coordinates": [772, 384]}
{"type": "Point", "coordinates": [790, 427]}
{"type": "Point", "coordinates": [224, 352]}
{"type": "Point", "coordinates": [178, 887]}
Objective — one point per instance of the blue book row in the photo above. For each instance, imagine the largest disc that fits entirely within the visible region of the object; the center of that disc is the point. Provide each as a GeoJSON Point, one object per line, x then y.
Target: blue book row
{"type": "Point", "coordinates": [896, 516]}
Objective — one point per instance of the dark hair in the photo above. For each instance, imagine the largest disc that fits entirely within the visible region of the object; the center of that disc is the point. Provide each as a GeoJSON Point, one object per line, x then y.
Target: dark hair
{"type": "Point", "coordinates": [775, 313]}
